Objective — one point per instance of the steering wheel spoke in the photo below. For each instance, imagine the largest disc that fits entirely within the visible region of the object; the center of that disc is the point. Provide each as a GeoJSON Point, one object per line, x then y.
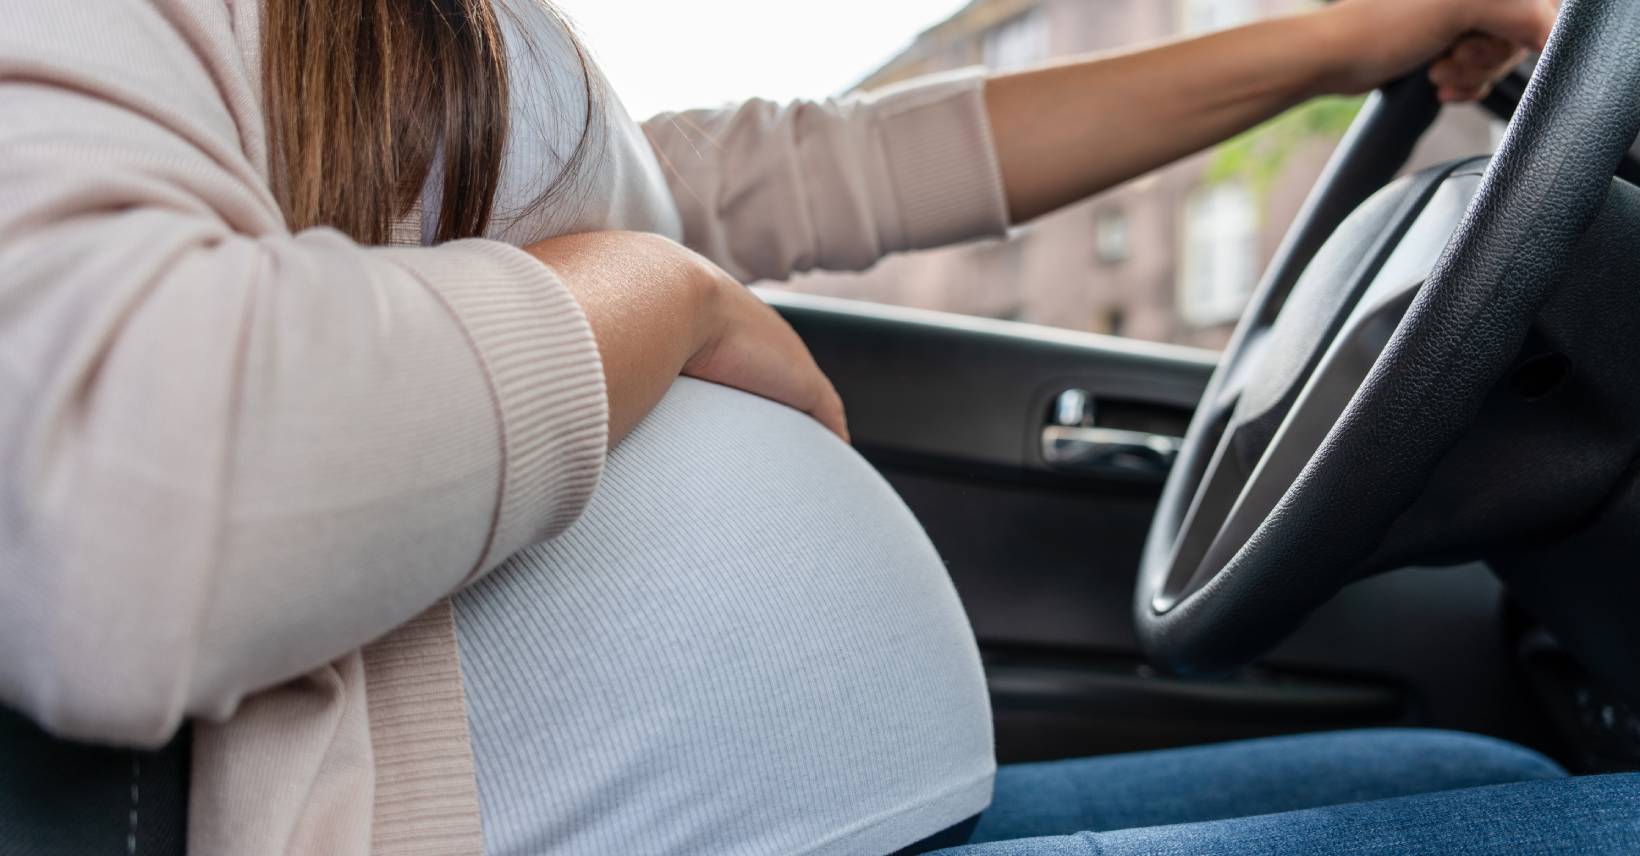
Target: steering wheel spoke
{"type": "Point", "coordinates": [1233, 500]}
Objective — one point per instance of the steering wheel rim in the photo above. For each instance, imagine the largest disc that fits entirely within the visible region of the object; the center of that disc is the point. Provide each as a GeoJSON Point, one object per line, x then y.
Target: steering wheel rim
{"type": "Point", "coordinates": [1209, 608]}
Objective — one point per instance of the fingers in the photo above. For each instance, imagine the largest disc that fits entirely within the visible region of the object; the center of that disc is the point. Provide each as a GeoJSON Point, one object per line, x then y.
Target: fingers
{"type": "Point", "coordinates": [828, 411]}
{"type": "Point", "coordinates": [816, 396]}
{"type": "Point", "coordinates": [1467, 71]}
{"type": "Point", "coordinates": [1484, 53]}
{"type": "Point", "coordinates": [758, 352]}
{"type": "Point", "coordinates": [821, 401]}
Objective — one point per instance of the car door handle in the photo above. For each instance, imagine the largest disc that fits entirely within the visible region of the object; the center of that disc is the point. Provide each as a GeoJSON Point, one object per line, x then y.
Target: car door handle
{"type": "Point", "coordinates": [1073, 443]}
{"type": "Point", "coordinates": [1093, 450]}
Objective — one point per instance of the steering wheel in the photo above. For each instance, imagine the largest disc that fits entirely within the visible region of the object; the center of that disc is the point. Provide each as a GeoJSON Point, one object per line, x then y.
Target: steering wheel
{"type": "Point", "coordinates": [1312, 458]}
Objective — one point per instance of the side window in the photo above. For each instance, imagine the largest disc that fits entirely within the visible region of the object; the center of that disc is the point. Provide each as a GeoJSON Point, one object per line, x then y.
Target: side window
{"type": "Point", "coordinates": [1170, 257]}
{"type": "Point", "coordinates": [1016, 42]}
{"type": "Point", "coordinates": [1112, 238]}
{"type": "Point", "coordinates": [1218, 259]}
{"type": "Point", "coordinates": [1200, 16]}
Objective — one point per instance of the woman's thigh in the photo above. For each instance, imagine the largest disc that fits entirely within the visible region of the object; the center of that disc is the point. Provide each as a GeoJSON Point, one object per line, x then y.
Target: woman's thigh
{"type": "Point", "coordinates": [1591, 816]}
{"type": "Point", "coordinates": [1246, 778]}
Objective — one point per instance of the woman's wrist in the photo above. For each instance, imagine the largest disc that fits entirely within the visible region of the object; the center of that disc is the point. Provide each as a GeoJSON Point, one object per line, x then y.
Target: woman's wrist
{"type": "Point", "coordinates": [640, 296]}
{"type": "Point", "coordinates": [706, 307]}
{"type": "Point", "coordinates": [1345, 44]}
{"type": "Point", "coordinates": [1324, 35]}
{"type": "Point", "coordinates": [1362, 44]}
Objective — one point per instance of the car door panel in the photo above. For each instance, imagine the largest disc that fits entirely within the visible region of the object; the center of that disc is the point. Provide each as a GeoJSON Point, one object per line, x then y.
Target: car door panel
{"type": "Point", "coordinates": [951, 410]}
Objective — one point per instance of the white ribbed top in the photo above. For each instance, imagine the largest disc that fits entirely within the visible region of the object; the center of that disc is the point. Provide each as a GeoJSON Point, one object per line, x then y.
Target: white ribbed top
{"type": "Point", "coordinates": [746, 646]}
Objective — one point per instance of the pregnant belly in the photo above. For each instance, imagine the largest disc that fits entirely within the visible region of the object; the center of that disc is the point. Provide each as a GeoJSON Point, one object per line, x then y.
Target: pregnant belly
{"type": "Point", "coordinates": [747, 645]}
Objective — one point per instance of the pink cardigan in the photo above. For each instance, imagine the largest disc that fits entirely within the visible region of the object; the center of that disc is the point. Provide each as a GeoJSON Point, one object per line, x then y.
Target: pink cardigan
{"type": "Point", "coordinates": [233, 458]}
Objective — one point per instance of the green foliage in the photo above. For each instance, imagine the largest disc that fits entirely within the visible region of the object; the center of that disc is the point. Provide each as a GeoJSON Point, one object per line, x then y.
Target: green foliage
{"type": "Point", "coordinates": [1258, 157]}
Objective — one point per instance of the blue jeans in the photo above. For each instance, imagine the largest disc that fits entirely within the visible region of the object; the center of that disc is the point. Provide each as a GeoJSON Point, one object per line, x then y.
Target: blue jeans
{"type": "Point", "coordinates": [1363, 792]}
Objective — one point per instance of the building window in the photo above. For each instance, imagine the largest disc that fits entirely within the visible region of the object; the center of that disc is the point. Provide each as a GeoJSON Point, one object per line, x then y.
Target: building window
{"type": "Point", "coordinates": [1111, 322]}
{"type": "Point", "coordinates": [1019, 41]}
{"type": "Point", "coordinates": [1112, 240]}
{"type": "Point", "coordinates": [1201, 16]}
{"type": "Point", "coordinates": [1218, 261]}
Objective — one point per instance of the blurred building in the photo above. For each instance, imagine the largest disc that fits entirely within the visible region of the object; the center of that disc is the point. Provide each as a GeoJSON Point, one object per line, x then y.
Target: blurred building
{"type": "Point", "coordinates": [1169, 257]}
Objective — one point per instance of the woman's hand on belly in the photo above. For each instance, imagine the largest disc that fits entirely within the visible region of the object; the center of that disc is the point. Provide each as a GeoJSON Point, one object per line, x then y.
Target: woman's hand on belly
{"type": "Point", "coordinates": [757, 351]}
{"type": "Point", "coordinates": [658, 309]}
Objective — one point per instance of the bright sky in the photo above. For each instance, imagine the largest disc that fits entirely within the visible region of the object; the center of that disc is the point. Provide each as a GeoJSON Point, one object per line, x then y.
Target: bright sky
{"type": "Point", "coordinates": [675, 54]}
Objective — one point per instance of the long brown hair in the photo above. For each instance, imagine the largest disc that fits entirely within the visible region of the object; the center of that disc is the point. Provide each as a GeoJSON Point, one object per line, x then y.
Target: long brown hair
{"type": "Point", "coordinates": [363, 96]}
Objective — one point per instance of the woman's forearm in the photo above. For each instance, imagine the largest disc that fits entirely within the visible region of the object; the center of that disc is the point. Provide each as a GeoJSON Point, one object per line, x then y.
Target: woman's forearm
{"type": "Point", "coordinates": [1070, 130]}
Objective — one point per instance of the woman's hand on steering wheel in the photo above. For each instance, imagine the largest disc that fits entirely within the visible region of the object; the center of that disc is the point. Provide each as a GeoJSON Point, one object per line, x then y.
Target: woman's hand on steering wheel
{"type": "Point", "coordinates": [1473, 43]}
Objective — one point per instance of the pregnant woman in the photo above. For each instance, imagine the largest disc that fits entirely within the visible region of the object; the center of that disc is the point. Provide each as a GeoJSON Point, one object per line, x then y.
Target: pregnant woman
{"type": "Point", "coordinates": [376, 394]}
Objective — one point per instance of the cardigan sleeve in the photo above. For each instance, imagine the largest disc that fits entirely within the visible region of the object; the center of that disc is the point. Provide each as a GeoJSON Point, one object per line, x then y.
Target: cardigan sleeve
{"type": "Point", "coordinates": [228, 453]}
{"type": "Point", "coordinates": [767, 190]}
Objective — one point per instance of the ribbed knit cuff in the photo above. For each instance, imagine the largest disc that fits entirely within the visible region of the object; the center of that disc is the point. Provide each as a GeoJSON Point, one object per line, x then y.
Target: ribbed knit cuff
{"type": "Point", "coordinates": [426, 789]}
{"type": "Point", "coordinates": [942, 159]}
{"type": "Point", "coordinates": [537, 348]}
